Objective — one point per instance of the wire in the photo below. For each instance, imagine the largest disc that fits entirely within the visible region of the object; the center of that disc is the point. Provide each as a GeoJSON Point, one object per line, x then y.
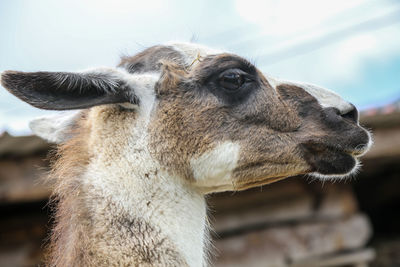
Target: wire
{"type": "Point", "coordinates": [328, 39]}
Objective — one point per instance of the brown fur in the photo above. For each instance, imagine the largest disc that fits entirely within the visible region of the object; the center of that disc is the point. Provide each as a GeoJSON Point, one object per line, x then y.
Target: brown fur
{"type": "Point", "coordinates": [151, 59]}
{"type": "Point", "coordinates": [71, 161]}
{"type": "Point", "coordinates": [281, 132]}
{"type": "Point", "coordinates": [280, 123]}
{"type": "Point", "coordinates": [84, 237]}
{"type": "Point", "coordinates": [196, 133]}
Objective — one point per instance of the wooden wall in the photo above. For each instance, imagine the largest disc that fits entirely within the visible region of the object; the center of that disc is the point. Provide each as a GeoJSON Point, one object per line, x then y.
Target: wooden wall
{"type": "Point", "coordinates": [295, 222]}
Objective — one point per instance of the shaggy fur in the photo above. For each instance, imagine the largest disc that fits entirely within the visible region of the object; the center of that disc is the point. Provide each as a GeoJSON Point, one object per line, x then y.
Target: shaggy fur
{"type": "Point", "coordinates": [172, 124]}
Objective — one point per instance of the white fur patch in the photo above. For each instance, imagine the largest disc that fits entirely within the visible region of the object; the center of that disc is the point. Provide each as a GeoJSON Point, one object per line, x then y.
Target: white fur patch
{"type": "Point", "coordinates": [55, 128]}
{"type": "Point", "coordinates": [214, 168]}
{"type": "Point", "coordinates": [135, 181]}
{"type": "Point", "coordinates": [142, 86]}
{"type": "Point", "coordinates": [193, 51]}
{"type": "Point", "coordinates": [325, 97]}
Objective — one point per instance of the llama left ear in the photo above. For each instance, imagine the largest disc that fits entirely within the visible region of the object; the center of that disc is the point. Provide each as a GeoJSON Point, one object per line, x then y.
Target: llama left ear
{"type": "Point", "coordinates": [70, 90]}
{"type": "Point", "coordinates": [56, 128]}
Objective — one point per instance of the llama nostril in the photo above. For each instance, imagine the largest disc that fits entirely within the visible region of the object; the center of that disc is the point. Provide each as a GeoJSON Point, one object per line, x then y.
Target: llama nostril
{"type": "Point", "coordinates": [351, 114]}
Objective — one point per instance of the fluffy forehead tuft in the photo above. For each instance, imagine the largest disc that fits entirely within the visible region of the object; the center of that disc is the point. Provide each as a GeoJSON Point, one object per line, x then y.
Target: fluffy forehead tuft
{"type": "Point", "coordinates": [192, 51]}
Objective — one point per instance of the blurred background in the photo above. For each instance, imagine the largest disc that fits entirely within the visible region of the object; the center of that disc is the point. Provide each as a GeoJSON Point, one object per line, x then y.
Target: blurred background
{"type": "Point", "coordinates": [349, 46]}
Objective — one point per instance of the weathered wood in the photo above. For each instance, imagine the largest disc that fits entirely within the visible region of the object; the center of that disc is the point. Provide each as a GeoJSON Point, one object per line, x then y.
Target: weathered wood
{"type": "Point", "coordinates": [23, 231]}
{"type": "Point", "coordinates": [228, 201]}
{"type": "Point", "coordinates": [293, 200]}
{"type": "Point", "coordinates": [336, 201]}
{"type": "Point", "coordinates": [18, 146]}
{"type": "Point", "coordinates": [279, 246]}
{"type": "Point", "coordinates": [21, 180]}
{"type": "Point", "coordinates": [386, 143]}
{"type": "Point", "coordinates": [293, 208]}
{"type": "Point", "coordinates": [380, 121]}
{"type": "Point", "coordinates": [359, 258]}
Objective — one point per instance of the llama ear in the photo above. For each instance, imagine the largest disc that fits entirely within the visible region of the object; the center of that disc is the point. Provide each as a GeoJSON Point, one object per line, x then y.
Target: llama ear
{"type": "Point", "coordinates": [55, 128]}
{"type": "Point", "coordinates": [68, 90]}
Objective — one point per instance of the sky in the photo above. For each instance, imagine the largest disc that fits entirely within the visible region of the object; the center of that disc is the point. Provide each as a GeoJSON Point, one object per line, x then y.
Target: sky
{"type": "Point", "coordinates": [349, 46]}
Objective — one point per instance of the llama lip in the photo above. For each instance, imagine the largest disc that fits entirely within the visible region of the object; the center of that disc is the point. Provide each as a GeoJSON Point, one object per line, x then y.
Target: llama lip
{"type": "Point", "coordinates": [329, 160]}
{"type": "Point", "coordinates": [355, 145]}
{"type": "Point", "coordinates": [358, 152]}
{"type": "Point", "coordinates": [361, 149]}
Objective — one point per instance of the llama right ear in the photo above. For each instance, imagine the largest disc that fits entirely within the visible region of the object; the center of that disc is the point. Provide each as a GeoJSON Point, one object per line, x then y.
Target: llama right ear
{"type": "Point", "coordinates": [68, 90]}
{"type": "Point", "coordinates": [56, 128]}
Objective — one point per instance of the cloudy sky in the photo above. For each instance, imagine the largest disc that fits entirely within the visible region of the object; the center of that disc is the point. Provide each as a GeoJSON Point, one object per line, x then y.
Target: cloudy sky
{"type": "Point", "coordinates": [349, 46]}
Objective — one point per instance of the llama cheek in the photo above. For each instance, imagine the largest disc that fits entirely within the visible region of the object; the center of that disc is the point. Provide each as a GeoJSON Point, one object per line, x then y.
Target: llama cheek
{"type": "Point", "coordinates": [214, 168]}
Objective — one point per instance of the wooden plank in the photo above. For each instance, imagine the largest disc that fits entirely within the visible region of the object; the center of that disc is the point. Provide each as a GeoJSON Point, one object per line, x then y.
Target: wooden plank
{"type": "Point", "coordinates": [21, 180]}
{"type": "Point", "coordinates": [228, 201]}
{"type": "Point", "coordinates": [294, 208]}
{"type": "Point", "coordinates": [385, 120]}
{"type": "Point", "coordinates": [335, 201]}
{"type": "Point", "coordinates": [386, 143]}
{"type": "Point", "coordinates": [18, 146]}
{"type": "Point", "coordinates": [277, 246]}
{"type": "Point", "coordinates": [296, 200]}
{"type": "Point", "coordinates": [355, 258]}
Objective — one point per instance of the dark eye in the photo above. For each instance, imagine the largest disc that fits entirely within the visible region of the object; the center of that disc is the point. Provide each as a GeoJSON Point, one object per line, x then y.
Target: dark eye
{"type": "Point", "coordinates": [232, 80]}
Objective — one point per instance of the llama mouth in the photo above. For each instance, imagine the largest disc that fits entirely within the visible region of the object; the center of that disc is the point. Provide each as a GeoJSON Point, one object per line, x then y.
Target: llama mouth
{"type": "Point", "coordinates": [360, 150]}
{"type": "Point", "coordinates": [337, 153]}
{"type": "Point", "coordinates": [330, 160]}
{"type": "Point", "coordinates": [354, 150]}
{"type": "Point", "coordinates": [357, 152]}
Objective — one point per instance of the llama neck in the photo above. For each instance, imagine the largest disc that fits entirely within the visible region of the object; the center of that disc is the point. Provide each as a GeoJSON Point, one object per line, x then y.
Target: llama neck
{"type": "Point", "coordinates": [150, 206]}
{"type": "Point", "coordinates": [134, 212]}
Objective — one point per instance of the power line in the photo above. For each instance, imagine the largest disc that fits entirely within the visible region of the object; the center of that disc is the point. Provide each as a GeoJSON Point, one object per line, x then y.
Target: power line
{"type": "Point", "coordinates": [242, 43]}
{"type": "Point", "coordinates": [328, 39]}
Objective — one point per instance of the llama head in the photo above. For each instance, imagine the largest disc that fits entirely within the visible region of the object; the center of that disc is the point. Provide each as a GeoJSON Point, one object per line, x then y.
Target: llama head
{"type": "Point", "coordinates": [211, 118]}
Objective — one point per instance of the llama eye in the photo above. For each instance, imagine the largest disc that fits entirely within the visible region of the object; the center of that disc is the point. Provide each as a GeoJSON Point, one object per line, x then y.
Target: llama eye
{"type": "Point", "coordinates": [232, 80]}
